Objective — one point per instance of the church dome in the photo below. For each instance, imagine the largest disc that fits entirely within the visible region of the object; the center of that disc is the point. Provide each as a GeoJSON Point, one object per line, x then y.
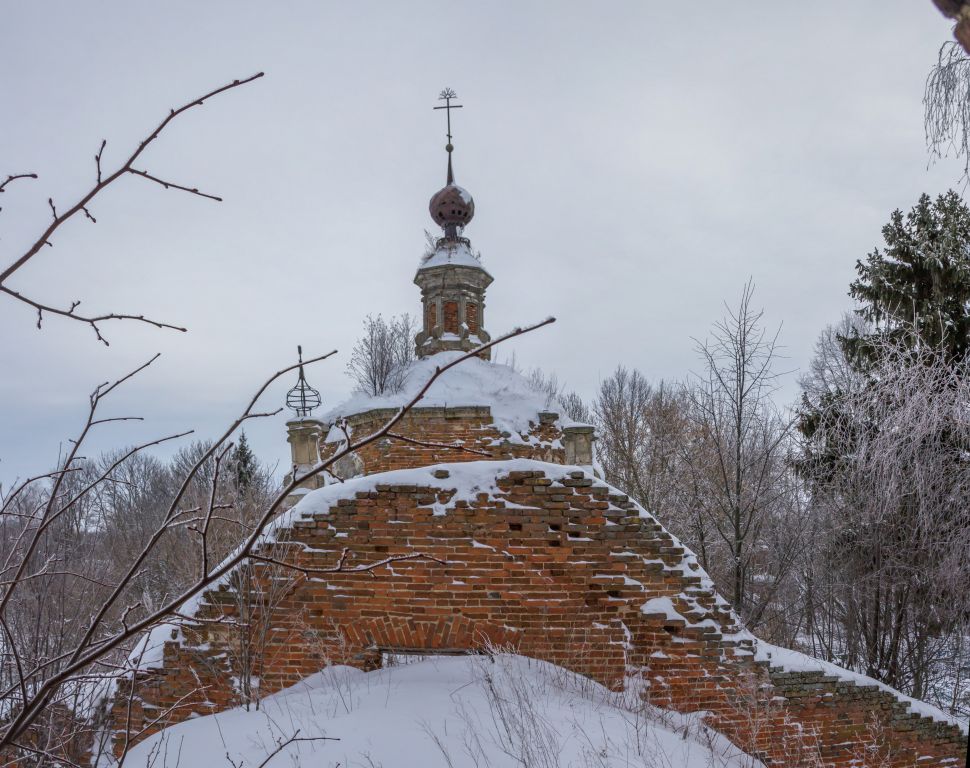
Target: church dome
{"type": "Point", "coordinates": [452, 206]}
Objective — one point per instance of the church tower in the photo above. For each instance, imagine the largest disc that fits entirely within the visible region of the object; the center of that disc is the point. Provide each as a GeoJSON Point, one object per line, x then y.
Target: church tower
{"type": "Point", "coordinates": [451, 278]}
{"type": "Point", "coordinates": [481, 409]}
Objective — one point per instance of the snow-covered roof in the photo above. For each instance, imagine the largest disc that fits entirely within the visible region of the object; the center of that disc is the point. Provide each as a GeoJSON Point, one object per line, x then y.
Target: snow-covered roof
{"type": "Point", "coordinates": [452, 252]}
{"type": "Point", "coordinates": [513, 401]}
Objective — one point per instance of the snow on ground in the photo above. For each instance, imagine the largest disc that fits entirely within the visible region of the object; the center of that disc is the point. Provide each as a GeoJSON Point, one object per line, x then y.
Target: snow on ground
{"type": "Point", "coordinates": [499, 711]}
{"type": "Point", "coordinates": [513, 400]}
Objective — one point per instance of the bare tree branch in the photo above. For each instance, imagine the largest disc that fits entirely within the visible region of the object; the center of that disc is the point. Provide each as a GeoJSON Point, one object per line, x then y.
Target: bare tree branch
{"type": "Point", "coordinates": [91, 321]}
{"type": "Point", "coordinates": [81, 206]}
{"type": "Point", "coordinates": [14, 177]}
{"type": "Point", "coordinates": [432, 444]}
{"type": "Point", "coordinates": [95, 643]}
{"type": "Point", "coordinates": [342, 567]}
{"type": "Point", "coordinates": [284, 743]}
{"type": "Point", "coordinates": [172, 185]}
{"type": "Point", "coordinates": [96, 397]}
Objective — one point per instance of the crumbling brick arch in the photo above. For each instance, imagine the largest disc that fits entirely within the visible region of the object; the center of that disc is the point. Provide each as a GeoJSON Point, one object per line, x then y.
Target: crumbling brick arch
{"type": "Point", "coordinates": [403, 634]}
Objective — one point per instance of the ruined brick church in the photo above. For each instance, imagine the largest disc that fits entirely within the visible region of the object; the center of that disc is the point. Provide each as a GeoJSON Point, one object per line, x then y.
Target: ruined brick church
{"type": "Point", "coordinates": [514, 541]}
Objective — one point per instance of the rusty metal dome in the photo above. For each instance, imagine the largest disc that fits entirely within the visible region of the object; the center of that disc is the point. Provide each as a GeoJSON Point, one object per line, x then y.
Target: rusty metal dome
{"type": "Point", "coordinates": [452, 206]}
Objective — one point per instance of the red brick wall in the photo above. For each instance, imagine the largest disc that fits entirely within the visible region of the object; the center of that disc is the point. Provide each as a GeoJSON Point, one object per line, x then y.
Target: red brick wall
{"type": "Point", "coordinates": [470, 427]}
{"type": "Point", "coordinates": [554, 566]}
{"type": "Point", "coordinates": [450, 312]}
{"type": "Point", "coordinates": [471, 316]}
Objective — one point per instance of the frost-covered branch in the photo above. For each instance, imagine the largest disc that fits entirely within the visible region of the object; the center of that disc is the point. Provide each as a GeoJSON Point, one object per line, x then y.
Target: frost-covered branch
{"type": "Point", "coordinates": [888, 467]}
{"type": "Point", "coordinates": [946, 104]}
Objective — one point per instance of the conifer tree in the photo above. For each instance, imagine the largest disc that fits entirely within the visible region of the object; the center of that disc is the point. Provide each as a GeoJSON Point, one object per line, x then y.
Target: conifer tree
{"type": "Point", "coordinates": [918, 286]}
{"type": "Point", "coordinates": [914, 294]}
{"type": "Point", "coordinates": [245, 463]}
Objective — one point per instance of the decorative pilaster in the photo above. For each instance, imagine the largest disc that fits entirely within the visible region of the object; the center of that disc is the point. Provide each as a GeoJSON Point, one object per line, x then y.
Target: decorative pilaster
{"type": "Point", "coordinates": [304, 435]}
{"type": "Point", "coordinates": [577, 440]}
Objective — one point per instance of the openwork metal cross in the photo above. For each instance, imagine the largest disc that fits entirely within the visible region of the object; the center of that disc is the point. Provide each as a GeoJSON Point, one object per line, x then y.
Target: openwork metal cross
{"type": "Point", "coordinates": [303, 398]}
{"type": "Point", "coordinates": [446, 96]}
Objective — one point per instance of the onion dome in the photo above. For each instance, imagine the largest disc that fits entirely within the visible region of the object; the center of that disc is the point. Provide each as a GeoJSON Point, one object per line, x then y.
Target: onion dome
{"type": "Point", "coordinates": [452, 206]}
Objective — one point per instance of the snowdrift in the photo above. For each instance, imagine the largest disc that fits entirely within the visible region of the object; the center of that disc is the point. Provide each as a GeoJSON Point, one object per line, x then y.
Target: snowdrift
{"type": "Point", "coordinates": [496, 711]}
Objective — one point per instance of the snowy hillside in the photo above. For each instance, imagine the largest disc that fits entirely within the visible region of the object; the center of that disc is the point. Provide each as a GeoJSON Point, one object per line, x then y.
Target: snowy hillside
{"type": "Point", "coordinates": [488, 712]}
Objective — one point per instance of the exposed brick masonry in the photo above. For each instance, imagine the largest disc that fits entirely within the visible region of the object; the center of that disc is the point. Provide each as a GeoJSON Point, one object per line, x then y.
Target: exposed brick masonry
{"type": "Point", "coordinates": [466, 426]}
{"type": "Point", "coordinates": [553, 564]}
{"type": "Point", "coordinates": [450, 313]}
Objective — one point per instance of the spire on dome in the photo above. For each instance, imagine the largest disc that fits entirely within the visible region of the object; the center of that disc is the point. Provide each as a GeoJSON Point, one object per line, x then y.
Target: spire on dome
{"type": "Point", "coordinates": [451, 277]}
{"type": "Point", "coordinates": [446, 96]}
{"type": "Point", "coordinates": [451, 207]}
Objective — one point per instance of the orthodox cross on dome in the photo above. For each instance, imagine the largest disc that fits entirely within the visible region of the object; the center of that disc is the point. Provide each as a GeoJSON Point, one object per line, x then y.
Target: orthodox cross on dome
{"type": "Point", "coordinates": [303, 398]}
{"type": "Point", "coordinates": [446, 96]}
{"type": "Point", "coordinates": [451, 279]}
{"type": "Point", "coordinates": [451, 207]}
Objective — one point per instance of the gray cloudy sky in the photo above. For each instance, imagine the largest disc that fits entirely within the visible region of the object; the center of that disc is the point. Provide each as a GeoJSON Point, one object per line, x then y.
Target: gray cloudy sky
{"type": "Point", "coordinates": [633, 163]}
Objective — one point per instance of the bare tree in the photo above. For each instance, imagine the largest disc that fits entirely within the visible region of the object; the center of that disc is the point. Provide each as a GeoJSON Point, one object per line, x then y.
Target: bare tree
{"type": "Point", "coordinates": [737, 453]}
{"type": "Point", "coordinates": [830, 372]}
{"type": "Point", "coordinates": [546, 384]}
{"type": "Point", "coordinates": [946, 104]}
{"type": "Point", "coordinates": [641, 431]}
{"type": "Point", "coordinates": [257, 601]}
{"type": "Point", "coordinates": [380, 358]}
{"type": "Point", "coordinates": [569, 403]}
{"type": "Point", "coordinates": [575, 407]}
{"type": "Point", "coordinates": [889, 478]}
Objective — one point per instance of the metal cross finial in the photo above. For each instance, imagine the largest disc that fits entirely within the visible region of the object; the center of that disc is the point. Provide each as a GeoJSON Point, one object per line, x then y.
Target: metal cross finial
{"type": "Point", "coordinates": [446, 96]}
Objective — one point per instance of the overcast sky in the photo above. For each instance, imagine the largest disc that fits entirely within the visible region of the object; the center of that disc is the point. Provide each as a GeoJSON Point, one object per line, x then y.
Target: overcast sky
{"type": "Point", "coordinates": [632, 163]}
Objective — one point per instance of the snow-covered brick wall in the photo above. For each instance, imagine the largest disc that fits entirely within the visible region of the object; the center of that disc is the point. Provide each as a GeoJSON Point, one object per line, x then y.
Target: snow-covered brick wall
{"type": "Point", "coordinates": [478, 409]}
{"type": "Point", "coordinates": [541, 559]}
